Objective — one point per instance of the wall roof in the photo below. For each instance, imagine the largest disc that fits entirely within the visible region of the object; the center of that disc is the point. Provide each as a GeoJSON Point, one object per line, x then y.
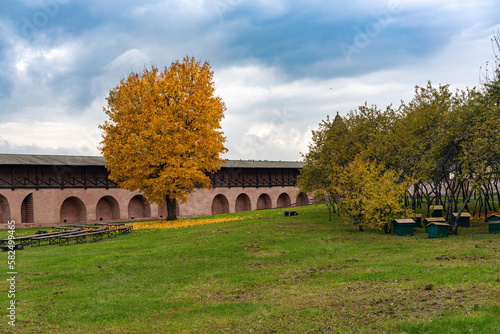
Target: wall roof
{"type": "Point", "coordinates": [71, 160]}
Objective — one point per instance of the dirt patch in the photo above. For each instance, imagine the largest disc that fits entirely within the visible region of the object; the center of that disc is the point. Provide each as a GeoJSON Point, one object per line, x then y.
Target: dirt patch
{"type": "Point", "coordinates": [367, 303]}
{"type": "Point", "coordinates": [304, 274]}
{"type": "Point", "coordinates": [217, 292]}
{"type": "Point", "coordinates": [270, 253]}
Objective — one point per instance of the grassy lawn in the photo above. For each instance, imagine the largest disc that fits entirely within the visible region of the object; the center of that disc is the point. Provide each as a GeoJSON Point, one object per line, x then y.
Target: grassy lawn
{"type": "Point", "coordinates": [264, 273]}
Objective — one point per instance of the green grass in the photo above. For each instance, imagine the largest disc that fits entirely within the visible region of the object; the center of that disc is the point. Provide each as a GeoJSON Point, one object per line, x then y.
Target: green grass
{"type": "Point", "coordinates": [263, 274]}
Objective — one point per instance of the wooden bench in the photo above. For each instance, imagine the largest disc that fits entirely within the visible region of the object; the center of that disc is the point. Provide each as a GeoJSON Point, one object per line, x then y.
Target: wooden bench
{"type": "Point", "coordinates": [125, 229]}
{"type": "Point", "coordinates": [86, 227]}
{"type": "Point", "coordinates": [64, 239]}
{"type": "Point", "coordinates": [6, 248]}
{"type": "Point", "coordinates": [115, 226]}
{"type": "Point", "coordinates": [26, 240]}
{"type": "Point", "coordinates": [52, 238]}
{"type": "Point", "coordinates": [61, 228]}
{"type": "Point", "coordinates": [82, 237]}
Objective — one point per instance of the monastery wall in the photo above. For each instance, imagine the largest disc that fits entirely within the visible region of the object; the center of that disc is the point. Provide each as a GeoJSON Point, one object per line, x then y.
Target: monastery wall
{"type": "Point", "coordinates": [48, 207]}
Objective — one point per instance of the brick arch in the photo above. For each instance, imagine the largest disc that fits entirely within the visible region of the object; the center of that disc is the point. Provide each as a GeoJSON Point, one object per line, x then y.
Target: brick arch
{"type": "Point", "coordinates": [264, 202]}
{"type": "Point", "coordinates": [107, 208]}
{"type": "Point", "coordinates": [73, 211]}
{"type": "Point", "coordinates": [243, 203]}
{"type": "Point", "coordinates": [138, 208]}
{"type": "Point", "coordinates": [27, 214]}
{"type": "Point", "coordinates": [284, 200]}
{"type": "Point", "coordinates": [220, 205]}
{"type": "Point", "coordinates": [302, 199]}
{"type": "Point", "coordinates": [4, 209]}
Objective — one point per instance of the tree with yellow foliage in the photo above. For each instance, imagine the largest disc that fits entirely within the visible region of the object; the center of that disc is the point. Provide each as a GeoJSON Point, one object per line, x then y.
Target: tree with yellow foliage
{"type": "Point", "coordinates": [372, 196]}
{"type": "Point", "coordinates": [163, 134]}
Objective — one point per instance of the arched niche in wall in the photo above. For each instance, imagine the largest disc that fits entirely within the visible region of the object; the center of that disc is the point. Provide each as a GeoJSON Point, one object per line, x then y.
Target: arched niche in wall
{"type": "Point", "coordinates": [107, 209]}
{"type": "Point", "coordinates": [138, 208]}
{"type": "Point", "coordinates": [284, 200]}
{"type": "Point", "coordinates": [264, 202]}
{"type": "Point", "coordinates": [220, 205]}
{"type": "Point", "coordinates": [73, 211]}
{"type": "Point", "coordinates": [4, 209]}
{"type": "Point", "coordinates": [302, 199]}
{"type": "Point", "coordinates": [27, 213]}
{"type": "Point", "coordinates": [242, 203]}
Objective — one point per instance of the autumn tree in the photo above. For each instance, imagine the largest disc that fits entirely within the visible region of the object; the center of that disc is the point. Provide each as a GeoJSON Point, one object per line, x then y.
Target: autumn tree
{"type": "Point", "coordinates": [163, 134]}
{"type": "Point", "coordinates": [372, 196]}
{"type": "Point", "coordinates": [338, 142]}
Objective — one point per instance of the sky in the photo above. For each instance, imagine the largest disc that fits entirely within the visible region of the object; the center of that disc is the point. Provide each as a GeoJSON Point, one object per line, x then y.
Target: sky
{"type": "Point", "coordinates": [281, 67]}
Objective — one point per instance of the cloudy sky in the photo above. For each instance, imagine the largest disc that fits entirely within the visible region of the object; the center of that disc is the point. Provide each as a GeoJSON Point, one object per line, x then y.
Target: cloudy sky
{"type": "Point", "coordinates": [280, 66]}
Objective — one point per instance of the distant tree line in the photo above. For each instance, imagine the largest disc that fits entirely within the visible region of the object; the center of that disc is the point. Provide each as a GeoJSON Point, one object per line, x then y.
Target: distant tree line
{"type": "Point", "coordinates": [442, 148]}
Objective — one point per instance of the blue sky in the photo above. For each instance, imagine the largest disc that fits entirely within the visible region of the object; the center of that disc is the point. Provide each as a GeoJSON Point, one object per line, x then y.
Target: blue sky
{"type": "Point", "coordinates": [280, 66]}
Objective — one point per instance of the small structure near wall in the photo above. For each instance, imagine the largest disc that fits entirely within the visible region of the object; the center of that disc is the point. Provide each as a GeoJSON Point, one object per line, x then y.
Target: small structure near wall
{"type": "Point", "coordinates": [436, 227]}
{"type": "Point", "coordinates": [464, 220]}
{"type": "Point", "coordinates": [403, 226]}
{"type": "Point", "coordinates": [436, 210]}
{"type": "Point", "coordinates": [494, 223]}
{"type": "Point", "coordinates": [417, 217]}
{"type": "Point", "coordinates": [291, 213]}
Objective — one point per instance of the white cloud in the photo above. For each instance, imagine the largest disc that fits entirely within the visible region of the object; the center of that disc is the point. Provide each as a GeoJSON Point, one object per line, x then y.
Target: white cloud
{"type": "Point", "coordinates": [74, 136]}
{"type": "Point", "coordinates": [58, 81]}
{"type": "Point", "coordinates": [130, 59]}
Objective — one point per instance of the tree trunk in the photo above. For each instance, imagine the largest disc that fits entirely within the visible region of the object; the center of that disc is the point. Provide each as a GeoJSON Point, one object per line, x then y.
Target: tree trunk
{"type": "Point", "coordinates": [171, 208]}
{"type": "Point", "coordinates": [449, 216]}
{"type": "Point", "coordinates": [466, 201]}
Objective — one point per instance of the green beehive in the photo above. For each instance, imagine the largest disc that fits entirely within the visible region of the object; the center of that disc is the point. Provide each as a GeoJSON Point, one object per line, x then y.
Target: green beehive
{"type": "Point", "coordinates": [436, 210]}
{"type": "Point", "coordinates": [403, 226]}
{"type": "Point", "coordinates": [417, 217]}
{"type": "Point", "coordinates": [494, 223]}
{"type": "Point", "coordinates": [436, 227]}
{"type": "Point", "coordinates": [464, 220]}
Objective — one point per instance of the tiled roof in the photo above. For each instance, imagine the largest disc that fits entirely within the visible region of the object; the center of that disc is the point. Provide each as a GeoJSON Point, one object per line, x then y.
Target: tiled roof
{"type": "Point", "coordinates": [51, 160]}
{"type": "Point", "coordinates": [73, 160]}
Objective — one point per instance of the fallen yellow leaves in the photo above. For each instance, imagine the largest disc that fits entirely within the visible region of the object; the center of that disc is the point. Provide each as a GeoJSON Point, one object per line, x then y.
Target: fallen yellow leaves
{"type": "Point", "coordinates": [160, 224]}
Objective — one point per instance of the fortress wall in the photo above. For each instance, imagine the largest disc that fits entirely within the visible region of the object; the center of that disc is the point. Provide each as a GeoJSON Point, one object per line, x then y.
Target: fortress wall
{"type": "Point", "coordinates": [48, 207]}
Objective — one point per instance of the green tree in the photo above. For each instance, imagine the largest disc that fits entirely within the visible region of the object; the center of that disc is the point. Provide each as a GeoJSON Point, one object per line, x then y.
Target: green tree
{"type": "Point", "coordinates": [477, 138]}
{"type": "Point", "coordinates": [338, 142]}
{"type": "Point", "coordinates": [492, 85]}
{"type": "Point", "coordinates": [326, 152]}
{"type": "Point", "coordinates": [163, 134]}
